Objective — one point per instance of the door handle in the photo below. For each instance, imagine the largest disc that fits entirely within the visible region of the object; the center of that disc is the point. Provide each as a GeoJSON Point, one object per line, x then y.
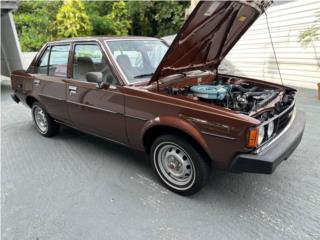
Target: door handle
{"type": "Point", "coordinates": [36, 82]}
{"type": "Point", "coordinates": [72, 89]}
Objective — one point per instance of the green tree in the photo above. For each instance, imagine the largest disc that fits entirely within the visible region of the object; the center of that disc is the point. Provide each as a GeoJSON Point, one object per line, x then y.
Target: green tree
{"type": "Point", "coordinates": [120, 18]}
{"type": "Point", "coordinates": [108, 18]}
{"type": "Point", "coordinates": [35, 23]}
{"type": "Point", "coordinates": [97, 12]}
{"type": "Point", "coordinates": [72, 20]}
{"type": "Point", "coordinates": [143, 22]}
{"type": "Point", "coordinates": [98, 8]}
{"type": "Point", "coordinates": [41, 21]}
{"type": "Point", "coordinates": [169, 17]}
{"type": "Point", "coordinates": [157, 18]}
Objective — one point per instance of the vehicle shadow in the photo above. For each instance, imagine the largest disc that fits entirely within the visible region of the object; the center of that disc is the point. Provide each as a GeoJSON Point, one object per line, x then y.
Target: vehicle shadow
{"type": "Point", "coordinates": [222, 186]}
{"type": "Point", "coordinates": [106, 146]}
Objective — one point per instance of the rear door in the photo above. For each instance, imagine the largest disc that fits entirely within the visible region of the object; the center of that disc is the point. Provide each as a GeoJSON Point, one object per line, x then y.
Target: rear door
{"type": "Point", "coordinates": [49, 80]}
{"type": "Point", "coordinates": [98, 111]}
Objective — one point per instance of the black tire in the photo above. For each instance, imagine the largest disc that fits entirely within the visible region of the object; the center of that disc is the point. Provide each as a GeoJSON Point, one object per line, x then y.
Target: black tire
{"type": "Point", "coordinates": [183, 153]}
{"type": "Point", "coordinates": [52, 127]}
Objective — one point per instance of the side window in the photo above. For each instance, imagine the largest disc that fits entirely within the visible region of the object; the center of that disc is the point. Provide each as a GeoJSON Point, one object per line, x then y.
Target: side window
{"type": "Point", "coordinates": [58, 60]}
{"type": "Point", "coordinates": [89, 58]}
{"type": "Point", "coordinates": [43, 63]}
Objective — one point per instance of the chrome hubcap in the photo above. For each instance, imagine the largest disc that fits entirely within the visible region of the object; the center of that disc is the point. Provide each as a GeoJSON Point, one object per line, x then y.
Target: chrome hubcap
{"type": "Point", "coordinates": [40, 119]}
{"type": "Point", "coordinates": [174, 165]}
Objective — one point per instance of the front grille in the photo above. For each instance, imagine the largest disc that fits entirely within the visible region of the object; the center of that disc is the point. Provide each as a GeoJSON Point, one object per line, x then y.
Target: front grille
{"type": "Point", "coordinates": [284, 119]}
{"type": "Point", "coordinates": [281, 121]}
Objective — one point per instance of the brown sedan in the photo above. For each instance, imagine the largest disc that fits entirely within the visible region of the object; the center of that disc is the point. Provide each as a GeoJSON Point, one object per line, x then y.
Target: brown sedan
{"type": "Point", "coordinates": [170, 102]}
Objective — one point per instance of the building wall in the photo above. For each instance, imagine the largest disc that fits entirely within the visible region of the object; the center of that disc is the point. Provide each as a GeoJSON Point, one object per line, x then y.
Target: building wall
{"type": "Point", "coordinates": [253, 55]}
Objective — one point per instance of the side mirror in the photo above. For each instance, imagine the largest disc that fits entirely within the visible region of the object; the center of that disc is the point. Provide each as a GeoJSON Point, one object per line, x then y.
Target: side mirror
{"type": "Point", "coordinates": [95, 77]}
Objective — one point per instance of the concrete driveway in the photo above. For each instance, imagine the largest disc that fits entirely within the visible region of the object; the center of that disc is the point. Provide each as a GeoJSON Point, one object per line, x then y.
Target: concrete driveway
{"type": "Point", "coordinates": [76, 186]}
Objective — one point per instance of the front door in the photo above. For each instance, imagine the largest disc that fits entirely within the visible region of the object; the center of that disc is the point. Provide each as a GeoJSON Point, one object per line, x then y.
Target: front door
{"type": "Point", "coordinates": [48, 82]}
{"type": "Point", "coordinates": [96, 110]}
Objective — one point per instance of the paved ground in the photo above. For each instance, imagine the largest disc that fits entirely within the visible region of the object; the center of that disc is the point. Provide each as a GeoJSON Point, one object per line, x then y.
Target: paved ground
{"type": "Point", "coordinates": [76, 186]}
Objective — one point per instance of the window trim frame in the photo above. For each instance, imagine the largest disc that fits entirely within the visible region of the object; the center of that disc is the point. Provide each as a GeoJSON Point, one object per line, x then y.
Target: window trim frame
{"type": "Point", "coordinates": [50, 45]}
{"type": "Point", "coordinates": [40, 57]}
{"type": "Point", "coordinates": [90, 42]}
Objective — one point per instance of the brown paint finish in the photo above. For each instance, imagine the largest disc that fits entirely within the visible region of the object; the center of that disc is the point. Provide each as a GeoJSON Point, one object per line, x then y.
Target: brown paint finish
{"type": "Point", "coordinates": [100, 111]}
{"type": "Point", "coordinates": [127, 113]}
{"type": "Point", "coordinates": [146, 110]}
{"type": "Point", "coordinates": [52, 94]}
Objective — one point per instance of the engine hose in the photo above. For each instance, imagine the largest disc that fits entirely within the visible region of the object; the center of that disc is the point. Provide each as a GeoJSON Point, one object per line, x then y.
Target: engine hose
{"type": "Point", "coordinates": [267, 100]}
{"type": "Point", "coordinates": [251, 94]}
{"type": "Point", "coordinates": [242, 89]}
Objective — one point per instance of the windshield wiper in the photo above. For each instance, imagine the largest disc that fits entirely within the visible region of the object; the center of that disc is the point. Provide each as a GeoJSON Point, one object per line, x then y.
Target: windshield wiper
{"type": "Point", "coordinates": [144, 75]}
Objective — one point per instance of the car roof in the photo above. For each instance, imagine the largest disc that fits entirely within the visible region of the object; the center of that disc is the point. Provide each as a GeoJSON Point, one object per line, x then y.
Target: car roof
{"type": "Point", "coordinates": [103, 38]}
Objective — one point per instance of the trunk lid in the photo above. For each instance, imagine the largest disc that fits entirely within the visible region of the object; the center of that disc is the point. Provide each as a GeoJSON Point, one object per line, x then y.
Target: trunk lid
{"type": "Point", "coordinates": [209, 33]}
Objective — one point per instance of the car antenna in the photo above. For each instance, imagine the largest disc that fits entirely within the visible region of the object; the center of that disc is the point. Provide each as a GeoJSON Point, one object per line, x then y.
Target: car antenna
{"type": "Point", "coordinates": [274, 51]}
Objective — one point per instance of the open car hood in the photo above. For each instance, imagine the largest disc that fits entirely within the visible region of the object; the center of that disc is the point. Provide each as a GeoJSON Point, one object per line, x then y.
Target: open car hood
{"type": "Point", "coordinates": [209, 33]}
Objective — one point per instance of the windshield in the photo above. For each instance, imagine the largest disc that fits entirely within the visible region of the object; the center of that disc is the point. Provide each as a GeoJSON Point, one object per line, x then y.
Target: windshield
{"type": "Point", "coordinates": [138, 59]}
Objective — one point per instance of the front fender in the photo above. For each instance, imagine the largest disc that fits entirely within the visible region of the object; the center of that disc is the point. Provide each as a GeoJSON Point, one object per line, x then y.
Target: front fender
{"type": "Point", "coordinates": [179, 124]}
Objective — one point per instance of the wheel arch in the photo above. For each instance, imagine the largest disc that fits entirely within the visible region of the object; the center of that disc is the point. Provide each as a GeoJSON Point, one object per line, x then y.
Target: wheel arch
{"type": "Point", "coordinates": [30, 100]}
{"type": "Point", "coordinates": [175, 126]}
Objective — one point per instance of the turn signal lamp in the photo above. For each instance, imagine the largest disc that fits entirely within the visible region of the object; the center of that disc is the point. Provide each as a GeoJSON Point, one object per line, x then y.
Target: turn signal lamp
{"type": "Point", "coordinates": [253, 138]}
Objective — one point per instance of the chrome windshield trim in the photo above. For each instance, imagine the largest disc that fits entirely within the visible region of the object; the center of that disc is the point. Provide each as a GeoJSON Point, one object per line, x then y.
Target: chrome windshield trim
{"type": "Point", "coordinates": [132, 39]}
{"type": "Point", "coordinates": [117, 65]}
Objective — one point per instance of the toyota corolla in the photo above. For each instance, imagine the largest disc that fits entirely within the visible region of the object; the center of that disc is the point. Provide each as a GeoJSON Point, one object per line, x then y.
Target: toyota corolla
{"type": "Point", "coordinates": [170, 102]}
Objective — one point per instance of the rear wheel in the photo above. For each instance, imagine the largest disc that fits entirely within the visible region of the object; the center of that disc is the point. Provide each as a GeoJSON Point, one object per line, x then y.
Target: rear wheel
{"type": "Point", "coordinates": [180, 166]}
{"type": "Point", "coordinates": [45, 125]}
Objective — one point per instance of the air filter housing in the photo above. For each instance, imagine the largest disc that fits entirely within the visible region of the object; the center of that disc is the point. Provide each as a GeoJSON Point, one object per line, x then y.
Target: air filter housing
{"type": "Point", "coordinates": [212, 92]}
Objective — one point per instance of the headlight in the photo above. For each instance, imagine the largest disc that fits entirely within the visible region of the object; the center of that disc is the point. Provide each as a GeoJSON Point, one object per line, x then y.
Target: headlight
{"type": "Point", "coordinates": [261, 135]}
{"type": "Point", "coordinates": [270, 129]}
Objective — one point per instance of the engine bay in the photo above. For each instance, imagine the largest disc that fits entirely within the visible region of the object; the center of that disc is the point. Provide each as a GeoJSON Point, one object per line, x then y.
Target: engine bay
{"type": "Point", "coordinates": [234, 93]}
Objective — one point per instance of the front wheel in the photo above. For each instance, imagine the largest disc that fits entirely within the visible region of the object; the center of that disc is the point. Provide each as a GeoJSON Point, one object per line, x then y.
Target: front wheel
{"type": "Point", "coordinates": [180, 166]}
{"type": "Point", "coordinates": [45, 125]}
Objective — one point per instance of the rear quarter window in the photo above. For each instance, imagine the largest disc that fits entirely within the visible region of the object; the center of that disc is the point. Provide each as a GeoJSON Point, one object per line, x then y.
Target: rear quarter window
{"type": "Point", "coordinates": [54, 61]}
{"type": "Point", "coordinates": [43, 62]}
